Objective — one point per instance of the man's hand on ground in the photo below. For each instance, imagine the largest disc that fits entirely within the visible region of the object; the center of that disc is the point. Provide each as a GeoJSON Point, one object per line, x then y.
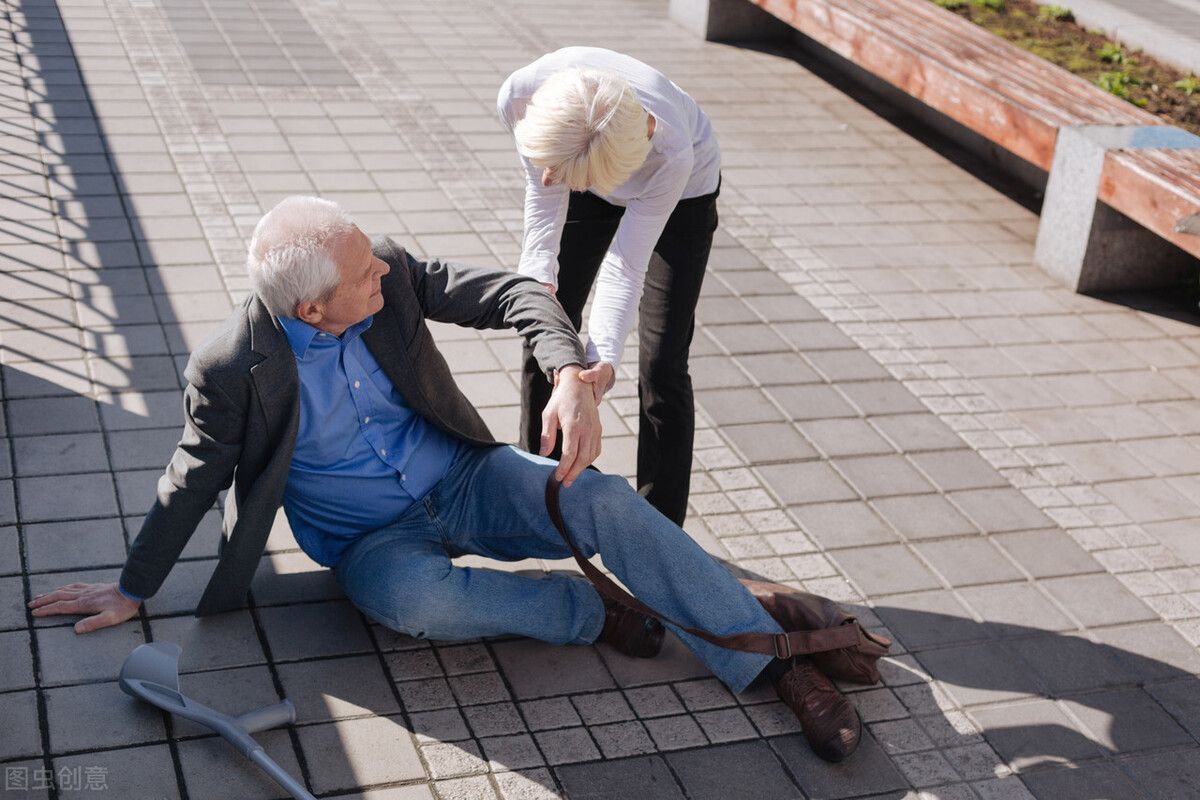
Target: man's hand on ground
{"type": "Point", "coordinates": [102, 601]}
{"type": "Point", "coordinates": [572, 407]}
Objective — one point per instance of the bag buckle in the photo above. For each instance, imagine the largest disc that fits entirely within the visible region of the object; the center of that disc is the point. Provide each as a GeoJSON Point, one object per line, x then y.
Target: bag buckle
{"type": "Point", "coordinates": [787, 646]}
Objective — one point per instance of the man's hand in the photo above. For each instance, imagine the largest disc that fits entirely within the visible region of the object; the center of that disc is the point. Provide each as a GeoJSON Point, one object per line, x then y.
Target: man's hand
{"type": "Point", "coordinates": [601, 376]}
{"type": "Point", "coordinates": [572, 407]}
{"type": "Point", "coordinates": [551, 289]}
{"type": "Point", "coordinates": [103, 601]}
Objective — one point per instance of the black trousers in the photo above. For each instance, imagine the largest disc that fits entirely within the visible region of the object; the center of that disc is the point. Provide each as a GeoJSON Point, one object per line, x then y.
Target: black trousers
{"type": "Point", "coordinates": [666, 321]}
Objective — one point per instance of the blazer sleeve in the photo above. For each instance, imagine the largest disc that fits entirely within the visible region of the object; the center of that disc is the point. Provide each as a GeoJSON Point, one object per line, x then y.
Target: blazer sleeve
{"type": "Point", "coordinates": [201, 467]}
{"type": "Point", "coordinates": [479, 297]}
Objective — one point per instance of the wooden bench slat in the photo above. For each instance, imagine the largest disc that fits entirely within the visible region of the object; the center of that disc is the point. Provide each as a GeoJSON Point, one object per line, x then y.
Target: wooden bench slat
{"type": "Point", "coordinates": [1155, 188]}
{"type": "Point", "coordinates": [977, 80]}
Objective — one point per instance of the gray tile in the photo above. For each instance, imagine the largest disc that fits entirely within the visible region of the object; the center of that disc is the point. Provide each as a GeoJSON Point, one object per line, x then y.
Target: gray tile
{"type": "Point", "coordinates": [966, 562]}
{"type": "Point", "coordinates": [209, 770]}
{"type": "Point", "coordinates": [99, 715]}
{"type": "Point", "coordinates": [67, 658]}
{"type": "Point", "coordinates": [1047, 553]}
{"type": "Point", "coordinates": [359, 752]}
{"type": "Point", "coordinates": [811, 482]}
{"type": "Point", "coordinates": [289, 630]}
{"type": "Point", "coordinates": [1151, 651]}
{"type": "Point", "coordinates": [869, 772]}
{"type": "Point", "coordinates": [811, 401]}
{"type": "Point", "coordinates": [881, 397]}
{"type": "Point", "coordinates": [846, 365]}
{"type": "Point", "coordinates": [330, 689]}
{"type": "Point", "coordinates": [923, 516]}
{"type": "Point", "coordinates": [142, 449]}
{"type": "Point", "coordinates": [535, 669]}
{"type": "Point", "coordinates": [23, 734]}
{"type": "Point", "coordinates": [737, 406]}
{"type": "Point", "coordinates": [233, 691]}
{"type": "Point", "coordinates": [951, 470]}
{"type": "Point", "coordinates": [1128, 721]}
{"type": "Point", "coordinates": [845, 437]}
{"type": "Point", "coordinates": [814, 335]}
{"type": "Point", "coordinates": [1079, 781]}
{"type": "Point", "coordinates": [1067, 664]}
{"type": "Point", "coordinates": [996, 510]}
{"type": "Point", "coordinates": [16, 659]}
{"type": "Point", "coordinates": [1174, 774]}
{"type": "Point", "coordinates": [213, 642]}
{"type": "Point", "coordinates": [917, 432]}
{"type": "Point", "coordinates": [1181, 699]}
{"type": "Point", "coordinates": [57, 454]}
{"type": "Point", "coordinates": [1098, 600]}
{"type": "Point", "coordinates": [836, 525]}
{"type": "Point", "coordinates": [1103, 461]}
{"type": "Point", "coordinates": [716, 773]}
{"type": "Point", "coordinates": [569, 745]}
{"type": "Point", "coordinates": [623, 778]}
{"type": "Point", "coordinates": [1148, 500]}
{"type": "Point", "coordinates": [67, 497]}
{"type": "Point", "coordinates": [885, 569]}
{"type": "Point", "coordinates": [775, 369]}
{"type": "Point", "coordinates": [768, 442]}
{"type": "Point", "coordinates": [977, 674]}
{"type": "Point", "coordinates": [881, 476]}
{"type": "Point", "coordinates": [1015, 609]}
{"type": "Point", "coordinates": [929, 619]}
{"type": "Point", "coordinates": [1009, 729]}
{"type": "Point", "coordinates": [129, 772]}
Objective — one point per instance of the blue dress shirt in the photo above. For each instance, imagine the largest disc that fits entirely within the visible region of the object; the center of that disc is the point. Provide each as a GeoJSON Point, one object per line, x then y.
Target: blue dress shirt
{"type": "Point", "coordinates": [363, 456]}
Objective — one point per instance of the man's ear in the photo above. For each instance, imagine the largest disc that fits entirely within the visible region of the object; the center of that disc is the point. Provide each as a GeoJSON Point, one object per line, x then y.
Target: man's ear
{"type": "Point", "coordinates": [310, 311]}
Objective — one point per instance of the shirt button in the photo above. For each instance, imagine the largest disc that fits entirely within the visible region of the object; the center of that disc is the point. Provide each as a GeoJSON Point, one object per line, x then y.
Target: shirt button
{"type": "Point", "coordinates": [365, 421]}
{"type": "Point", "coordinates": [384, 452]}
{"type": "Point", "coordinates": [403, 477]}
{"type": "Point", "coordinates": [356, 384]}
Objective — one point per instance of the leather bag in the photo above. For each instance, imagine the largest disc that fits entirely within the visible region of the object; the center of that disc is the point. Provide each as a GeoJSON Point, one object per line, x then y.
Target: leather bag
{"type": "Point", "coordinates": [814, 626]}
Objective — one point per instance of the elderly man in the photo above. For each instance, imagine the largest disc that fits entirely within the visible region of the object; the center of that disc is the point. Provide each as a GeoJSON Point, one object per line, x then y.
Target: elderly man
{"type": "Point", "coordinates": [325, 392]}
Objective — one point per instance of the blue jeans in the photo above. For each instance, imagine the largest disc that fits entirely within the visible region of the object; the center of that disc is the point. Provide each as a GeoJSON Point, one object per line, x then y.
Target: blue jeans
{"type": "Point", "coordinates": [492, 504]}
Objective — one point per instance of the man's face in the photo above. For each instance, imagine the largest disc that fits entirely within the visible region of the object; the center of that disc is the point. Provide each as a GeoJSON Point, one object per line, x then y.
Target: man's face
{"type": "Point", "coordinates": [358, 296]}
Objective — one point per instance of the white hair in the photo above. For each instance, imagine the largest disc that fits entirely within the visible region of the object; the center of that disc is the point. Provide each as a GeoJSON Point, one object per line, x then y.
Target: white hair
{"type": "Point", "coordinates": [587, 127]}
{"type": "Point", "coordinates": [291, 254]}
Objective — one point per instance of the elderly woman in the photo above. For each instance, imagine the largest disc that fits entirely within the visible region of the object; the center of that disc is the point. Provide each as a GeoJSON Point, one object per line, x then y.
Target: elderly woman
{"type": "Point", "coordinates": [622, 175]}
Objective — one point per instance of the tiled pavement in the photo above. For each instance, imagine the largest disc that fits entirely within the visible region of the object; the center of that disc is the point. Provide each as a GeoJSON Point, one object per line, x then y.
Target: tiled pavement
{"type": "Point", "coordinates": [898, 410]}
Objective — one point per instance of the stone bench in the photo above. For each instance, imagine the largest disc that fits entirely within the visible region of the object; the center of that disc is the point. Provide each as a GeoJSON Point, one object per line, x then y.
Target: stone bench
{"type": "Point", "coordinates": [1123, 187]}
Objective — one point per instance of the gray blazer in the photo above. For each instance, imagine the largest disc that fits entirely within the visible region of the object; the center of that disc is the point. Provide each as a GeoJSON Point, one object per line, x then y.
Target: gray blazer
{"type": "Point", "coordinates": [241, 407]}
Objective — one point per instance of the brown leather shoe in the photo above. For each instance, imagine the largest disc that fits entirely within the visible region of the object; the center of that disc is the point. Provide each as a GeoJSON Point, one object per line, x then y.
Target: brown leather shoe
{"type": "Point", "coordinates": [631, 632]}
{"type": "Point", "coordinates": [828, 719]}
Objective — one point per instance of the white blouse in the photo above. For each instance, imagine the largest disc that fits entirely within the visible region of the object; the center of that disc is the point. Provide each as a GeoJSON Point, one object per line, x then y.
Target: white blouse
{"type": "Point", "coordinates": [684, 162]}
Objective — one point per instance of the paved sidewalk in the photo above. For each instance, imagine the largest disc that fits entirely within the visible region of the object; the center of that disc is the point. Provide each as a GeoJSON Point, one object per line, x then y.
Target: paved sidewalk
{"type": "Point", "coordinates": [897, 409]}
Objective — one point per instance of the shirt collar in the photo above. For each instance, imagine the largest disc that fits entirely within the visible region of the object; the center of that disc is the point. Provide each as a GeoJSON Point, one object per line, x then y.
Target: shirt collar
{"type": "Point", "coordinates": [300, 334]}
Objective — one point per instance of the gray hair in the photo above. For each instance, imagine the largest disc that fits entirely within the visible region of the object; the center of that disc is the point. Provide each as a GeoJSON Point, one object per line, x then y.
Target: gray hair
{"type": "Point", "coordinates": [290, 260]}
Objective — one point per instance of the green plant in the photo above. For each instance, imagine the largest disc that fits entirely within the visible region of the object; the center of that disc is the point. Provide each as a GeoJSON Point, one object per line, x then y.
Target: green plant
{"type": "Point", "coordinates": [950, 5]}
{"type": "Point", "coordinates": [1055, 14]}
{"type": "Point", "coordinates": [994, 5]}
{"type": "Point", "coordinates": [1112, 53]}
{"type": "Point", "coordinates": [1117, 83]}
{"type": "Point", "coordinates": [1189, 85]}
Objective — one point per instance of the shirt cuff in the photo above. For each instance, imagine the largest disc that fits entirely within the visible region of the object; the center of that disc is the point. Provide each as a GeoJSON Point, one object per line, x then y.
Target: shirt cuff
{"type": "Point", "coordinates": [541, 269]}
{"type": "Point", "coordinates": [131, 597]}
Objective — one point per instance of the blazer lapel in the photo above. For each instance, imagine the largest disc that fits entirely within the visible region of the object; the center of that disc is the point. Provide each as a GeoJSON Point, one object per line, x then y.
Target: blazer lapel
{"type": "Point", "coordinates": [275, 378]}
{"type": "Point", "coordinates": [386, 342]}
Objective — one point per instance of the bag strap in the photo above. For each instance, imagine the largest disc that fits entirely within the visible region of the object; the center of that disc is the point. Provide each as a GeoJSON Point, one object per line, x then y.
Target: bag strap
{"type": "Point", "coordinates": [780, 645]}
